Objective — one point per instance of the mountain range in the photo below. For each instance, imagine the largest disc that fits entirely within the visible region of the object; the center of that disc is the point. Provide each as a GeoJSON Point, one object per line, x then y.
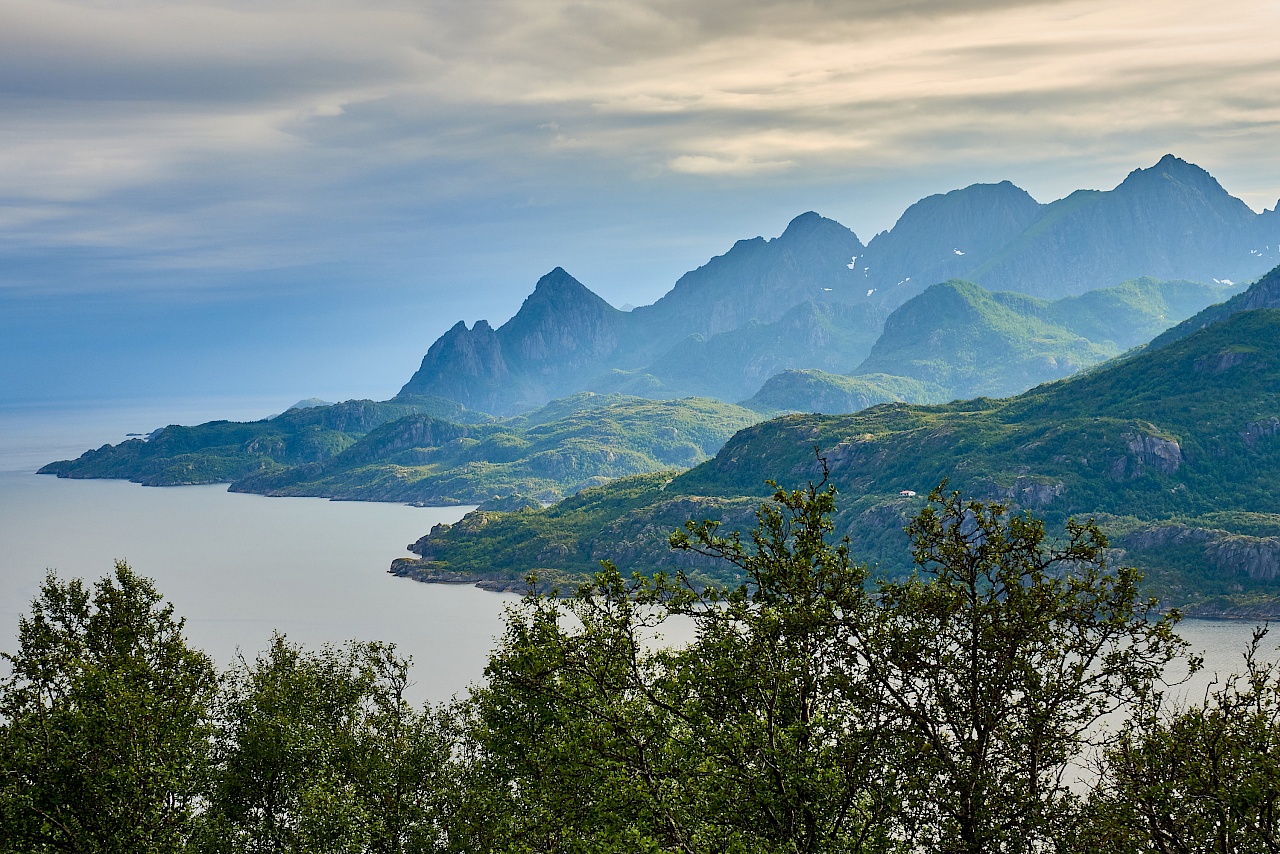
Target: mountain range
{"type": "Point", "coordinates": [1174, 450]}
{"type": "Point", "coordinates": [817, 298]}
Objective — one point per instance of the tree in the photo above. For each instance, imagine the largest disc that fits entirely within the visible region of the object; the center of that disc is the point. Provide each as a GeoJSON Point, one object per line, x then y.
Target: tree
{"type": "Point", "coordinates": [320, 751]}
{"type": "Point", "coordinates": [106, 722]}
{"type": "Point", "coordinates": [756, 737]}
{"type": "Point", "coordinates": [998, 657]}
{"type": "Point", "coordinates": [1205, 778]}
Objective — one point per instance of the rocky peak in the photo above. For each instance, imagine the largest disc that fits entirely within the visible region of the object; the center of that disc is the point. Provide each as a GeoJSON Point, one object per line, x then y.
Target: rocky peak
{"type": "Point", "coordinates": [561, 324]}
{"type": "Point", "coordinates": [463, 365]}
{"type": "Point", "coordinates": [943, 237]}
{"type": "Point", "coordinates": [1177, 176]}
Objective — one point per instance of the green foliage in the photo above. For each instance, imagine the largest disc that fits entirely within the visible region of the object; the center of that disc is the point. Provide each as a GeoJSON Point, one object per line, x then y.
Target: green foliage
{"type": "Point", "coordinates": [810, 713]}
{"type": "Point", "coordinates": [1000, 656]}
{"type": "Point", "coordinates": [320, 752]}
{"type": "Point", "coordinates": [106, 716]}
{"type": "Point", "coordinates": [968, 341]}
{"type": "Point", "coordinates": [1205, 778]}
{"type": "Point", "coordinates": [419, 458]}
{"type": "Point", "coordinates": [818, 391]}
{"type": "Point", "coordinates": [939, 714]}
{"type": "Point", "coordinates": [754, 738]}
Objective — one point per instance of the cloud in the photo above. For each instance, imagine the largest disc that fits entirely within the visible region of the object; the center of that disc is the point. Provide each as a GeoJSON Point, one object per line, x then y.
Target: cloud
{"type": "Point", "coordinates": [228, 134]}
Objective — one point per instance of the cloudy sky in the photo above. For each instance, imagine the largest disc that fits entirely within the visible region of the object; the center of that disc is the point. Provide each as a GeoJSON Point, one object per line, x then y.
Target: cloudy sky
{"type": "Point", "coordinates": [295, 198]}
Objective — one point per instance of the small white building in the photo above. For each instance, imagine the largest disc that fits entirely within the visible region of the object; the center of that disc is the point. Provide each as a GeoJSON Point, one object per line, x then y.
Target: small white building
{"type": "Point", "coordinates": [908, 493]}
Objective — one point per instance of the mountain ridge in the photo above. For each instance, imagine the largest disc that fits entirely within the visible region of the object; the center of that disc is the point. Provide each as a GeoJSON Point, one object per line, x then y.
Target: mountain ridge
{"type": "Point", "coordinates": [566, 339]}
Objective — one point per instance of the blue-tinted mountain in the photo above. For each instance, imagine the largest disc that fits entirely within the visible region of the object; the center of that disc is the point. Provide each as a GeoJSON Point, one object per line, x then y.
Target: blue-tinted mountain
{"type": "Point", "coordinates": [561, 335]}
{"type": "Point", "coordinates": [1171, 221]}
{"type": "Point", "coordinates": [732, 365]}
{"type": "Point", "coordinates": [729, 325]}
{"type": "Point", "coordinates": [760, 279]}
{"type": "Point", "coordinates": [943, 237]}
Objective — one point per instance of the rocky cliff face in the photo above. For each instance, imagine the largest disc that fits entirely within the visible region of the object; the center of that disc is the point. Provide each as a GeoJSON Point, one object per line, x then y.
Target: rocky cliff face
{"type": "Point", "coordinates": [1228, 554]}
{"type": "Point", "coordinates": [562, 326]}
{"type": "Point", "coordinates": [466, 365]}
{"type": "Point", "coordinates": [562, 333]}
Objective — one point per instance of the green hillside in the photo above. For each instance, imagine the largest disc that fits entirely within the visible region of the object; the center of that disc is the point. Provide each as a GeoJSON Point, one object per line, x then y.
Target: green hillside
{"type": "Point", "coordinates": [973, 342]}
{"type": "Point", "coordinates": [418, 457]}
{"type": "Point", "coordinates": [819, 391]}
{"type": "Point", "coordinates": [222, 451]}
{"type": "Point", "coordinates": [1176, 451]}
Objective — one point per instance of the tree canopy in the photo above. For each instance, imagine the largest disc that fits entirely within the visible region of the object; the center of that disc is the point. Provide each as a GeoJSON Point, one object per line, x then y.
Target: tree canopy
{"type": "Point", "coordinates": [814, 710]}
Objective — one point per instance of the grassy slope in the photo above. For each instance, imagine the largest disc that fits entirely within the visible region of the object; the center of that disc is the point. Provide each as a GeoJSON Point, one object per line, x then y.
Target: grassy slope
{"type": "Point", "coordinates": [1095, 445]}
{"type": "Point", "coordinates": [974, 342]}
{"type": "Point", "coordinates": [580, 442]}
{"type": "Point", "coordinates": [819, 391]}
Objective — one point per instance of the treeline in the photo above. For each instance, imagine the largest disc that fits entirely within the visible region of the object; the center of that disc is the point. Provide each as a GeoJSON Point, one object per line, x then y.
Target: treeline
{"type": "Point", "coordinates": [958, 711]}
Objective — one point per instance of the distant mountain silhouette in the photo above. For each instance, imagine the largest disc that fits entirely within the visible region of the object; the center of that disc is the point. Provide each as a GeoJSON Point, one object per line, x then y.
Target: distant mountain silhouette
{"type": "Point", "coordinates": [729, 325]}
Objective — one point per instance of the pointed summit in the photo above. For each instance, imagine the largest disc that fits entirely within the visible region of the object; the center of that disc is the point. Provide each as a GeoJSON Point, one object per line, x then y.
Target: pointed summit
{"type": "Point", "coordinates": [813, 226]}
{"type": "Point", "coordinates": [1170, 221]}
{"type": "Point", "coordinates": [559, 280]}
{"type": "Point", "coordinates": [563, 322]}
{"type": "Point", "coordinates": [1178, 171]}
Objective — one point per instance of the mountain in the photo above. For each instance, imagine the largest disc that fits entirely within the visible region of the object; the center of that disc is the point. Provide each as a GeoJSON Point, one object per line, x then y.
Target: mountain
{"type": "Point", "coordinates": [1175, 450]}
{"type": "Point", "coordinates": [759, 280]}
{"type": "Point", "coordinates": [1171, 221]}
{"type": "Point", "coordinates": [558, 337]}
{"type": "Point", "coordinates": [971, 342]}
{"type": "Point", "coordinates": [722, 329]}
{"type": "Point", "coordinates": [733, 365]}
{"type": "Point", "coordinates": [942, 237]}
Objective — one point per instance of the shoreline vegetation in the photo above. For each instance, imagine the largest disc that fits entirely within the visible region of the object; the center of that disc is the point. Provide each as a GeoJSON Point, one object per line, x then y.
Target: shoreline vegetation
{"type": "Point", "coordinates": [814, 710]}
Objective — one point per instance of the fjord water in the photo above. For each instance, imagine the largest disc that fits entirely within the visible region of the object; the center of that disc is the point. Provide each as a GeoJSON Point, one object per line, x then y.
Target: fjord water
{"type": "Point", "coordinates": [236, 566]}
{"type": "Point", "coordinates": [239, 567]}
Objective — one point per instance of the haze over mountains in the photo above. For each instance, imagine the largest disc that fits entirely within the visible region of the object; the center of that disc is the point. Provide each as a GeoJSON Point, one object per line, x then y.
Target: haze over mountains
{"type": "Point", "coordinates": [817, 298]}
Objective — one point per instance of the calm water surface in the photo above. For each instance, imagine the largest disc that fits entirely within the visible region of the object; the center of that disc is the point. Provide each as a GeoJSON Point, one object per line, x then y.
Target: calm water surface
{"type": "Point", "coordinates": [241, 566]}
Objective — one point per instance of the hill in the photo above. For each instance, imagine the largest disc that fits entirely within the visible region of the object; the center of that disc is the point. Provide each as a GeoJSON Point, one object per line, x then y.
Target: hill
{"type": "Point", "coordinates": [1176, 450]}
{"type": "Point", "coordinates": [818, 391]}
{"type": "Point", "coordinates": [970, 342]}
{"type": "Point", "coordinates": [408, 454]}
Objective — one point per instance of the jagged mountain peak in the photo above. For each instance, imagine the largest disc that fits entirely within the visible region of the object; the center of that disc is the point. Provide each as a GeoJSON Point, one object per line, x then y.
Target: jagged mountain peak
{"type": "Point", "coordinates": [557, 291]}
{"type": "Point", "coordinates": [810, 225]}
{"type": "Point", "coordinates": [1171, 168]}
{"type": "Point", "coordinates": [558, 279]}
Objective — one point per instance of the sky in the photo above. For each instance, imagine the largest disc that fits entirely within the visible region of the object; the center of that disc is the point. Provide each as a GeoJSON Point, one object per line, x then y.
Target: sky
{"type": "Point", "coordinates": [294, 199]}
